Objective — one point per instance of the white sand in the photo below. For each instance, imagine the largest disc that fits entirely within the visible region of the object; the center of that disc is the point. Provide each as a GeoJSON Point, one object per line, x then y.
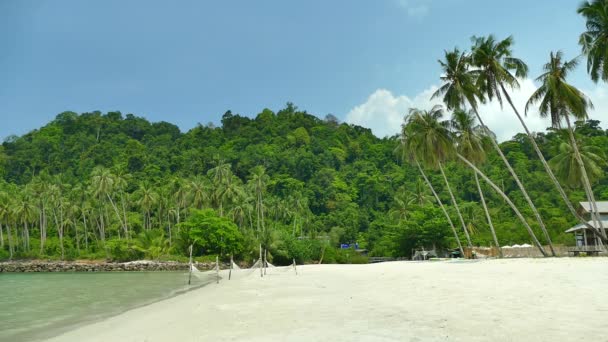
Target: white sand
{"type": "Point", "coordinates": [496, 300]}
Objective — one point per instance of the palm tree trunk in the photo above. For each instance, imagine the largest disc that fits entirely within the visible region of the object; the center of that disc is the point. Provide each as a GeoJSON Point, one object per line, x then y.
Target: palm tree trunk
{"type": "Point", "coordinates": [519, 184]}
{"type": "Point", "coordinates": [1, 236]}
{"type": "Point", "coordinates": [488, 217]}
{"type": "Point", "coordinates": [124, 214]}
{"type": "Point", "coordinates": [10, 242]}
{"type": "Point", "coordinates": [586, 182]}
{"type": "Point", "coordinates": [445, 212]}
{"type": "Point", "coordinates": [117, 214]}
{"type": "Point", "coordinates": [86, 234]}
{"type": "Point", "coordinates": [27, 235]}
{"type": "Point", "coordinates": [508, 200]}
{"type": "Point", "coordinates": [464, 226]}
{"type": "Point", "coordinates": [554, 179]}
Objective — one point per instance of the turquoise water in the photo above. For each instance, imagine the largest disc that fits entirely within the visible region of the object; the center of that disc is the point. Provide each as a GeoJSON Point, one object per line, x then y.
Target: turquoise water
{"type": "Point", "coordinates": [34, 306]}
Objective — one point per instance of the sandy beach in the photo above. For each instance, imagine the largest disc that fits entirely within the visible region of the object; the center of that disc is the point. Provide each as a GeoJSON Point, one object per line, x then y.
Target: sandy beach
{"type": "Point", "coordinates": [561, 299]}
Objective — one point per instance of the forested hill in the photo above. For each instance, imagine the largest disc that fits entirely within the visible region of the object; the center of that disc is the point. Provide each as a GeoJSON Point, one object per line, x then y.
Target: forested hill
{"type": "Point", "coordinates": [320, 178]}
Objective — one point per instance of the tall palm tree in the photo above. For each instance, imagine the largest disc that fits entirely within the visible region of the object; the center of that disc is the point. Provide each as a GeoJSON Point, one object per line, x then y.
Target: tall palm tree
{"type": "Point", "coordinates": [432, 142]}
{"type": "Point", "coordinates": [25, 212]}
{"type": "Point", "coordinates": [408, 153]}
{"type": "Point", "coordinates": [257, 183]}
{"type": "Point", "coordinates": [472, 142]}
{"type": "Point", "coordinates": [147, 199]}
{"type": "Point", "coordinates": [461, 87]}
{"type": "Point", "coordinates": [594, 41]}
{"type": "Point", "coordinates": [558, 99]}
{"type": "Point", "coordinates": [104, 184]}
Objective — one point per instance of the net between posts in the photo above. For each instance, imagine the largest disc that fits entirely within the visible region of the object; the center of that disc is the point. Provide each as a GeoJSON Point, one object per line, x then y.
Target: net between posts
{"type": "Point", "coordinates": [204, 276]}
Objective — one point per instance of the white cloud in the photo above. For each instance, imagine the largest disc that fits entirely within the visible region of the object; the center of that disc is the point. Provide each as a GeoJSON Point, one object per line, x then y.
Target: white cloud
{"type": "Point", "coordinates": [383, 111]}
{"type": "Point", "coordinates": [414, 8]}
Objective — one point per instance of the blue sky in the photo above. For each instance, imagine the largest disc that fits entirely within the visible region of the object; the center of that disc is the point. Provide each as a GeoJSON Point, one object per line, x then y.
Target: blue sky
{"type": "Point", "coordinates": [189, 61]}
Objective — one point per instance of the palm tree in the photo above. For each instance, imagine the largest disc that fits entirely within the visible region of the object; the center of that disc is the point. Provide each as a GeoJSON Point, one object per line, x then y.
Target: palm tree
{"type": "Point", "coordinates": [25, 212]}
{"type": "Point", "coordinates": [147, 199]}
{"type": "Point", "coordinates": [103, 184]}
{"type": "Point", "coordinates": [420, 194]}
{"type": "Point", "coordinates": [198, 191]}
{"type": "Point", "coordinates": [566, 166]}
{"type": "Point", "coordinates": [432, 142]}
{"type": "Point", "coordinates": [472, 142]}
{"type": "Point", "coordinates": [408, 153]}
{"type": "Point", "coordinates": [498, 69]}
{"type": "Point", "coordinates": [257, 183]}
{"type": "Point", "coordinates": [401, 207]}
{"type": "Point", "coordinates": [461, 86]}
{"type": "Point", "coordinates": [594, 41]}
{"type": "Point", "coordinates": [558, 99]}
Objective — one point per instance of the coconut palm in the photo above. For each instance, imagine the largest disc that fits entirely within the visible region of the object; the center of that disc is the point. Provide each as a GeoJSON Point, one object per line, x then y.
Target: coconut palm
{"type": "Point", "coordinates": [420, 195]}
{"type": "Point", "coordinates": [104, 184]}
{"type": "Point", "coordinates": [401, 207]}
{"type": "Point", "coordinates": [558, 99]}
{"type": "Point", "coordinates": [566, 166]}
{"type": "Point", "coordinates": [198, 191]}
{"type": "Point", "coordinates": [432, 142]}
{"type": "Point", "coordinates": [257, 184]}
{"type": "Point", "coordinates": [499, 70]}
{"type": "Point", "coordinates": [472, 142]}
{"type": "Point", "coordinates": [461, 87]}
{"type": "Point", "coordinates": [408, 153]}
{"type": "Point", "coordinates": [594, 41]}
{"type": "Point", "coordinates": [147, 199]}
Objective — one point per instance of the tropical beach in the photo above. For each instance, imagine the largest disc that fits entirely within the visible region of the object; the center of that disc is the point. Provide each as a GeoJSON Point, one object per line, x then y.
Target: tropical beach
{"type": "Point", "coordinates": [498, 300]}
{"type": "Point", "coordinates": [399, 170]}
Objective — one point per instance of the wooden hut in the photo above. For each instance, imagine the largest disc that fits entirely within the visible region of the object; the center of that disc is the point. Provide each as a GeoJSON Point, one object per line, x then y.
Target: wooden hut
{"type": "Point", "coordinates": [585, 239]}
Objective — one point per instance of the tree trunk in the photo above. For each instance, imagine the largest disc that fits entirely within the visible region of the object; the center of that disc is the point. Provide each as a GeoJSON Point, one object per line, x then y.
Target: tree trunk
{"type": "Point", "coordinates": [464, 226]}
{"type": "Point", "coordinates": [488, 217]}
{"type": "Point", "coordinates": [445, 212]}
{"type": "Point", "coordinates": [10, 242]}
{"type": "Point", "coordinates": [27, 235]}
{"type": "Point", "coordinates": [124, 214]}
{"type": "Point", "coordinates": [117, 214]}
{"type": "Point", "coordinates": [586, 182]}
{"type": "Point", "coordinates": [508, 200]}
{"type": "Point", "coordinates": [519, 184]}
{"type": "Point", "coordinates": [554, 179]}
{"type": "Point", "coordinates": [1, 236]}
{"type": "Point", "coordinates": [86, 233]}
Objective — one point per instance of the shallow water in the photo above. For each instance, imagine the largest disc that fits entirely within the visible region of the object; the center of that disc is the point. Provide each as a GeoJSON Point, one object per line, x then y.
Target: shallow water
{"type": "Point", "coordinates": [34, 306]}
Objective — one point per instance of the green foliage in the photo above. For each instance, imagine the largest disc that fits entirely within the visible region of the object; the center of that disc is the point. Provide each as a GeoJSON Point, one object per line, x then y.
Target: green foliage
{"type": "Point", "coordinates": [211, 234]}
{"type": "Point", "coordinates": [119, 187]}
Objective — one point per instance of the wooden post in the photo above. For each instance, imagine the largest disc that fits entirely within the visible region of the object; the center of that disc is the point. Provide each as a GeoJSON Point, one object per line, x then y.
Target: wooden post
{"type": "Point", "coordinates": [190, 274]}
{"type": "Point", "coordinates": [217, 269]}
{"type": "Point", "coordinates": [294, 266]}
{"type": "Point", "coordinates": [265, 260]}
{"type": "Point", "coordinates": [261, 261]}
{"type": "Point", "coordinates": [230, 272]}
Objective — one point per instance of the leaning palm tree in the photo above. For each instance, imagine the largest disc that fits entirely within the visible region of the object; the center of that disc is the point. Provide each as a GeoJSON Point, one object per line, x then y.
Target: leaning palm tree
{"type": "Point", "coordinates": [594, 41]}
{"type": "Point", "coordinates": [558, 99]}
{"type": "Point", "coordinates": [461, 88]}
{"type": "Point", "coordinates": [472, 142]}
{"type": "Point", "coordinates": [409, 153]}
{"type": "Point", "coordinates": [499, 70]}
{"type": "Point", "coordinates": [432, 142]}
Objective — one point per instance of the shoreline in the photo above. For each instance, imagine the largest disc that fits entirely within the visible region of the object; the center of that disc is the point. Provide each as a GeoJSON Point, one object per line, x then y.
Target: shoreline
{"type": "Point", "coordinates": [30, 266]}
{"type": "Point", "coordinates": [476, 300]}
{"type": "Point", "coordinates": [58, 331]}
